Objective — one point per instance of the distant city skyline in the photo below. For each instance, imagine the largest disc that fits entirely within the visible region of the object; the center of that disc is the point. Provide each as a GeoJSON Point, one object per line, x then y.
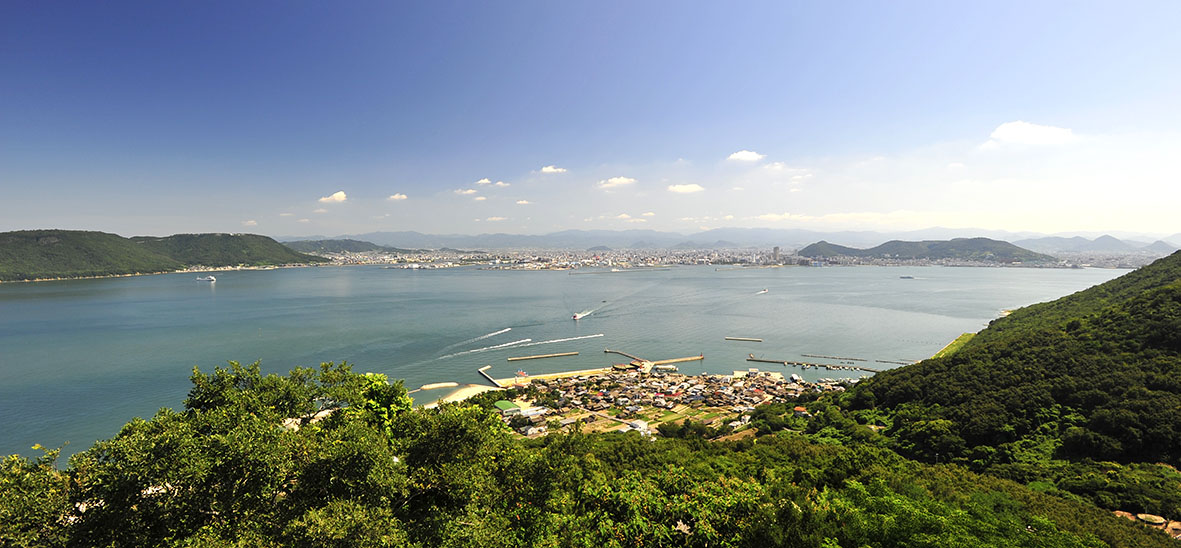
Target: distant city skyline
{"type": "Point", "coordinates": [533, 117]}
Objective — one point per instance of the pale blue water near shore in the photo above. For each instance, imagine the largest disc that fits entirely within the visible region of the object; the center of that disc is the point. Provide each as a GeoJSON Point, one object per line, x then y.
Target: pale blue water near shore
{"type": "Point", "coordinates": [78, 359]}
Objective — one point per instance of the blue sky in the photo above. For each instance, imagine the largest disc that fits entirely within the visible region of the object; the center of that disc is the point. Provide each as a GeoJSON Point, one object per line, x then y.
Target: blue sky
{"type": "Point", "coordinates": [290, 118]}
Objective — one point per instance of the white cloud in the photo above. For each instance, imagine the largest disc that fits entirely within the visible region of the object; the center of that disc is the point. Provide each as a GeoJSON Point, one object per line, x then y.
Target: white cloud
{"type": "Point", "coordinates": [794, 190]}
{"type": "Point", "coordinates": [494, 219]}
{"type": "Point", "coordinates": [304, 221]}
{"type": "Point", "coordinates": [623, 216]}
{"type": "Point", "coordinates": [466, 191]}
{"type": "Point", "coordinates": [553, 169]}
{"type": "Point", "coordinates": [501, 184]}
{"type": "Point", "coordinates": [321, 210]}
{"type": "Point", "coordinates": [728, 218]}
{"type": "Point", "coordinates": [616, 182]}
{"type": "Point", "coordinates": [649, 214]}
{"type": "Point", "coordinates": [286, 214]}
{"type": "Point", "coordinates": [686, 189]}
{"type": "Point", "coordinates": [637, 220]}
{"type": "Point", "coordinates": [737, 189]}
{"type": "Point", "coordinates": [251, 222]}
{"type": "Point", "coordinates": [746, 156]}
{"type": "Point", "coordinates": [775, 166]}
{"type": "Point", "coordinates": [523, 202]}
{"type": "Point", "coordinates": [480, 198]}
{"type": "Point", "coordinates": [335, 197]}
{"type": "Point", "coordinates": [955, 165]}
{"type": "Point", "coordinates": [1024, 133]}
{"type": "Point", "coordinates": [397, 197]}
{"type": "Point", "coordinates": [484, 181]}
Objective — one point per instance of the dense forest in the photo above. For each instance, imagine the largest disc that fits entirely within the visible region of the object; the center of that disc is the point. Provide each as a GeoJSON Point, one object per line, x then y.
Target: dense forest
{"type": "Point", "coordinates": [42, 254]}
{"type": "Point", "coordinates": [1029, 435]}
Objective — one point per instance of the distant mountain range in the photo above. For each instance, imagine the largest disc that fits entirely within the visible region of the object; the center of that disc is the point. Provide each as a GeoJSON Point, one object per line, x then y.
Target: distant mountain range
{"type": "Point", "coordinates": [965, 249]}
{"type": "Point", "coordinates": [341, 246]}
{"type": "Point", "coordinates": [787, 239]}
{"type": "Point", "coordinates": [1102, 244]}
{"type": "Point", "coordinates": [42, 254]}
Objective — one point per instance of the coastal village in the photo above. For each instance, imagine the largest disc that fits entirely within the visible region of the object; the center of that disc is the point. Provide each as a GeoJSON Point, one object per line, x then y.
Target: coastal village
{"type": "Point", "coordinates": [624, 401]}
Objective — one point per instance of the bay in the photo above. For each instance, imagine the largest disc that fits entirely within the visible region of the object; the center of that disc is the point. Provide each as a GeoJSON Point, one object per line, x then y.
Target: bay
{"type": "Point", "coordinates": [78, 359]}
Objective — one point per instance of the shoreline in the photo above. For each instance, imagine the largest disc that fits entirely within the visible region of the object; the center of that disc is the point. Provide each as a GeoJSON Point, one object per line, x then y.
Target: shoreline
{"type": "Point", "coordinates": [193, 270]}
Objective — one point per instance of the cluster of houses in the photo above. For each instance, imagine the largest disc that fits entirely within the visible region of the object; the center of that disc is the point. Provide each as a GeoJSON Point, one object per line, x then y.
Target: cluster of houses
{"type": "Point", "coordinates": [631, 393]}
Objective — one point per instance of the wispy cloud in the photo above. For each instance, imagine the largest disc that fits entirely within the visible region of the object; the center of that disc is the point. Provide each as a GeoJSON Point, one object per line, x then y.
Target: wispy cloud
{"type": "Point", "coordinates": [484, 181]}
{"type": "Point", "coordinates": [494, 219]}
{"type": "Point", "coordinates": [480, 198]}
{"type": "Point", "coordinates": [780, 217]}
{"type": "Point", "coordinates": [304, 221]}
{"type": "Point", "coordinates": [523, 202]}
{"type": "Point", "coordinates": [286, 214]}
{"type": "Point", "coordinates": [335, 197]}
{"type": "Point", "coordinates": [251, 222]}
{"type": "Point", "coordinates": [649, 214]}
{"type": "Point", "coordinates": [321, 210]}
{"type": "Point", "coordinates": [553, 169]}
{"type": "Point", "coordinates": [397, 197]}
{"type": "Point", "coordinates": [616, 182]}
{"type": "Point", "coordinates": [466, 191]}
{"type": "Point", "coordinates": [623, 216]}
{"type": "Point", "coordinates": [501, 184]}
{"type": "Point", "coordinates": [686, 189]}
{"type": "Point", "coordinates": [746, 156]}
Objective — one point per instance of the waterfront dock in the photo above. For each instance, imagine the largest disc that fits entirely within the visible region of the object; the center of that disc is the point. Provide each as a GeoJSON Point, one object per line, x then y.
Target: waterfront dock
{"type": "Point", "coordinates": [805, 365]}
{"type": "Point", "coordinates": [833, 357]}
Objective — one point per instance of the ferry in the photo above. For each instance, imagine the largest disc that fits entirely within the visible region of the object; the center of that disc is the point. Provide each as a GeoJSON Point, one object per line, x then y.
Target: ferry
{"type": "Point", "coordinates": [207, 279]}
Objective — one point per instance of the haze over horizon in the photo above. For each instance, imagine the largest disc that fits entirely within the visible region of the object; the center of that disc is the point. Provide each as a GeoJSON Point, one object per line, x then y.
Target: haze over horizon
{"type": "Point", "coordinates": [532, 117]}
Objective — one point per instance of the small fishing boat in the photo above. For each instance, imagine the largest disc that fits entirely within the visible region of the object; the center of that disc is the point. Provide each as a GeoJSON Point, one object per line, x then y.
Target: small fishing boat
{"type": "Point", "coordinates": [207, 279]}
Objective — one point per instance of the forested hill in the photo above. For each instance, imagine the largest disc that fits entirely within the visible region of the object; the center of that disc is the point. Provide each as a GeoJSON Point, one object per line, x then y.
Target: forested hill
{"type": "Point", "coordinates": [965, 249]}
{"type": "Point", "coordinates": [340, 246]}
{"type": "Point", "coordinates": [224, 249]}
{"type": "Point", "coordinates": [1094, 376]}
{"type": "Point", "coordinates": [41, 254]}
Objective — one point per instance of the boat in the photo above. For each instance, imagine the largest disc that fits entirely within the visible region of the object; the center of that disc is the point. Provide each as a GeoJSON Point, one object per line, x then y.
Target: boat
{"type": "Point", "coordinates": [906, 277]}
{"type": "Point", "coordinates": [207, 279]}
{"type": "Point", "coordinates": [761, 292]}
{"type": "Point", "coordinates": [581, 315]}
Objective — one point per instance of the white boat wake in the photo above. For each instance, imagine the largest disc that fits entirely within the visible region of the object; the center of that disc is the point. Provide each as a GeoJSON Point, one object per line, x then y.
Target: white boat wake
{"type": "Point", "coordinates": [562, 340]}
{"type": "Point", "coordinates": [480, 338]}
{"type": "Point", "coordinates": [485, 349]}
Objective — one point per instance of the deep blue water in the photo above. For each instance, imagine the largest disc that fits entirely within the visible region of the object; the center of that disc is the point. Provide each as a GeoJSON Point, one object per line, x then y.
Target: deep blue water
{"type": "Point", "coordinates": [78, 359]}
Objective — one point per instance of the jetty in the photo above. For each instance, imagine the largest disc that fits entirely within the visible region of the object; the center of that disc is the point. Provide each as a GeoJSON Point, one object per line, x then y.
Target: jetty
{"type": "Point", "coordinates": [679, 360]}
{"type": "Point", "coordinates": [622, 353]}
{"type": "Point", "coordinates": [484, 371]}
{"type": "Point", "coordinates": [540, 356]}
{"type": "Point", "coordinates": [745, 339]}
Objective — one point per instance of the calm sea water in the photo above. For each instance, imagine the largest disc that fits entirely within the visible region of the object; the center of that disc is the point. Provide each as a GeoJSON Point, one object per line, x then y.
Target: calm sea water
{"type": "Point", "coordinates": [78, 359]}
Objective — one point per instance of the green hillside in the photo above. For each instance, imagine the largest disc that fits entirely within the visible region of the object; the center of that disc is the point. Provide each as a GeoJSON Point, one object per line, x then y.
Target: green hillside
{"type": "Point", "coordinates": [34, 254]}
{"type": "Point", "coordinates": [44, 254]}
{"type": "Point", "coordinates": [224, 249]}
{"type": "Point", "coordinates": [966, 249]}
{"type": "Point", "coordinates": [1081, 395]}
{"type": "Point", "coordinates": [378, 472]}
{"type": "Point", "coordinates": [340, 246]}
